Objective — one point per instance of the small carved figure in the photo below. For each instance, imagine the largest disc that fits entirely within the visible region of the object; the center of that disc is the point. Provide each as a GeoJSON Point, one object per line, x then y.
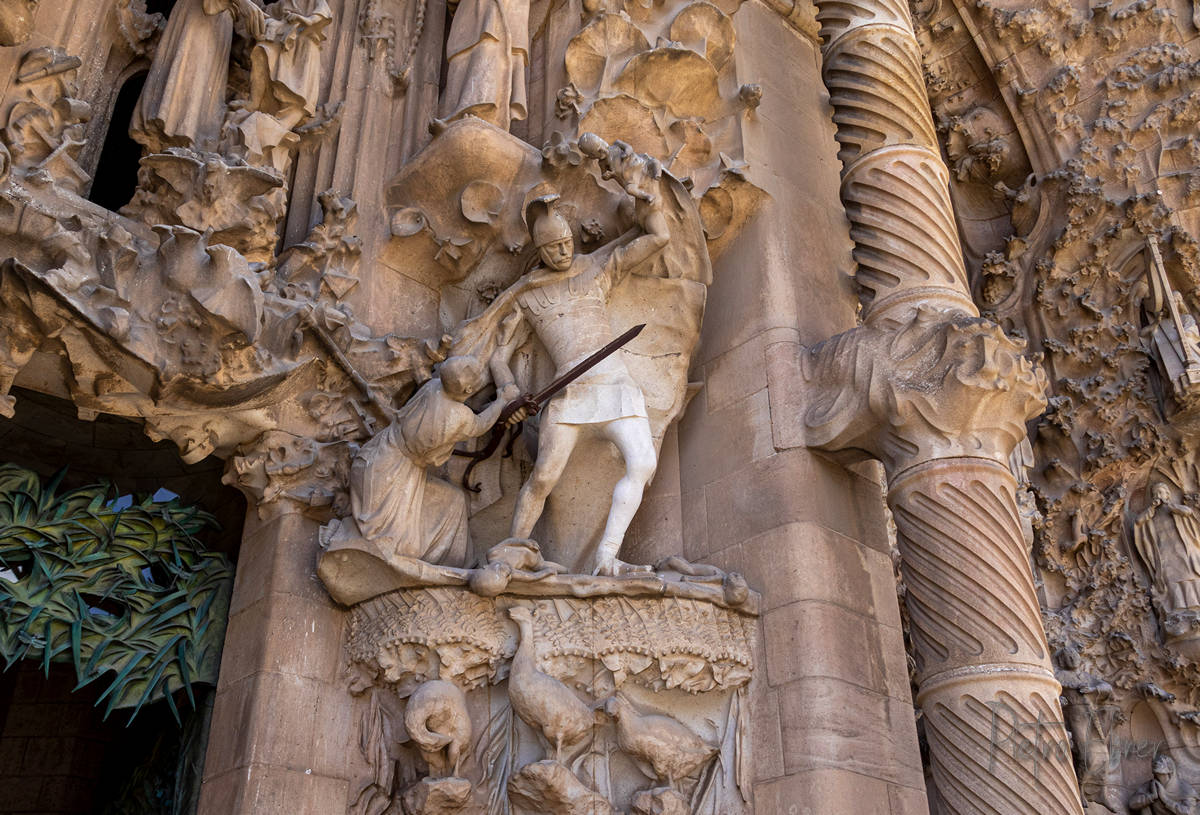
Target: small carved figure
{"type": "Point", "coordinates": [487, 52]}
{"type": "Point", "coordinates": [663, 748]}
{"type": "Point", "coordinates": [183, 101]}
{"type": "Point", "coordinates": [1084, 698]}
{"type": "Point", "coordinates": [1173, 333]}
{"type": "Point", "coordinates": [1177, 339]}
{"type": "Point", "coordinates": [285, 65]}
{"type": "Point", "coordinates": [565, 301]}
{"type": "Point", "coordinates": [438, 723]}
{"type": "Point", "coordinates": [399, 508]}
{"type": "Point", "coordinates": [1166, 793]}
{"type": "Point", "coordinates": [541, 701]}
{"type": "Point", "coordinates": [523, 555]}
{"type": "Point", "coordinates": [45, 130]}
{"type": "Point", "coordinates": [1167, 536]}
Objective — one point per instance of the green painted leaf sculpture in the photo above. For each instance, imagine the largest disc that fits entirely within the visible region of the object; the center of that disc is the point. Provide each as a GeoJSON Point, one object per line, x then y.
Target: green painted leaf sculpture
{"type": "Point", "coordinates": [127, 595]}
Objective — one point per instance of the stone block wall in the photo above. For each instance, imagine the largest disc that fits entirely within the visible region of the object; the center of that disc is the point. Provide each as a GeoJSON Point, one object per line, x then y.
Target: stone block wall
{"type": "Point", "coordinates": [52, 743]}
{"type": "Point", "coordinates": [282, 733]}
{"type": "Point", "coordinates": [833, 723]}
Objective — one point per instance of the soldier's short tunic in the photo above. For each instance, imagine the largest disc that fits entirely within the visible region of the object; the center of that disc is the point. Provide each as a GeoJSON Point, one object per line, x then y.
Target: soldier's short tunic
{"type": "Point", "coordinates": [568, 311]}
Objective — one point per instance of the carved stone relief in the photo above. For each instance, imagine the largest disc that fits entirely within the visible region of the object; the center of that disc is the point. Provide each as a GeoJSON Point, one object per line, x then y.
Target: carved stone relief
{"type": "Point", "coordinates": [502, 656]}
{"type": "Point", "coordinates": [538, 326]}
{"type": "Point", "coordinates": [1019, 180]}
{"type": "Point", "coordinates": [44, 130]}
{"type": "Point", "coordinates": [1084, 246]}
{"type": "Point", "coordinates": [606, 703]}
{"type": "Point", "coordinates": [208, 160]}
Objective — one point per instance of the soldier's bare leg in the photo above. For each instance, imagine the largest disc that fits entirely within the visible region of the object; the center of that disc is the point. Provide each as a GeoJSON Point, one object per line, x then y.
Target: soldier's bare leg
{"type": "Point", "coordinates": [555, 443]}
{"type": "Point", "coordinates": [633, 439]}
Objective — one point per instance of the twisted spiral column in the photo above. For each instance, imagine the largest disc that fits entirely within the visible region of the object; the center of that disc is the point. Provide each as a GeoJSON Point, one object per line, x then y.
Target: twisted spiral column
{"type": "Point", "coordinates": [894, 182]}
{"type": "Point", "coordinates": [942, 400]}
{"type": "Point", "coordinates": [989, 696]}
{"type": "Point", "coordinates": [941, 397]}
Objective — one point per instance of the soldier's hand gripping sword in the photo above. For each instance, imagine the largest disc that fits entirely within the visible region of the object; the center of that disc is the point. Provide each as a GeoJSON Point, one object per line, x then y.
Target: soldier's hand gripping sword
{"type": "Point", "coordinates": [532, 403]}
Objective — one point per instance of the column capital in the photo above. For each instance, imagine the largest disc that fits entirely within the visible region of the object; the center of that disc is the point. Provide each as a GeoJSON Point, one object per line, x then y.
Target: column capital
{"type": "Point", "coordinates": [942, 385]}
{"type": "Point", "coordinates": [281, 472]}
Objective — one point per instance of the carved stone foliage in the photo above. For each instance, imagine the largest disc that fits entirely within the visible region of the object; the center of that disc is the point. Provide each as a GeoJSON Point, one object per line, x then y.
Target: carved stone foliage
{"type": "Point", "coordinates": [238, 203]}
{"type": "Point", "coordinates": [1092, 258]}
{"type": "Point", "coordinates": [552, 705]}
{"type": "Point", "coordinates": [662, 77]}
{"type": "Point", "coordinates": [325, 265]}
{"type": "Point", "coordinates": [941, 386]}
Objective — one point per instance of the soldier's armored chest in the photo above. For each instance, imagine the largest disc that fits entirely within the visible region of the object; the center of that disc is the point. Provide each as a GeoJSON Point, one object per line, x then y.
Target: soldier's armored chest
{"type": "Point", "coordinates": [549, 299]}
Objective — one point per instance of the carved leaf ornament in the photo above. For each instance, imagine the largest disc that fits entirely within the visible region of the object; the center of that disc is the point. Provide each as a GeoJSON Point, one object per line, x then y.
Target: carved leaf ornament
{"type": "Point", "coordinates": [127, 595]}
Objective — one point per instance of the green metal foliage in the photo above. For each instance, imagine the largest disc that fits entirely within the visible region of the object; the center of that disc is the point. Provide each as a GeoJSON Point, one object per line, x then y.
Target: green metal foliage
{"type": "Point", "coordinates": [129, 596]}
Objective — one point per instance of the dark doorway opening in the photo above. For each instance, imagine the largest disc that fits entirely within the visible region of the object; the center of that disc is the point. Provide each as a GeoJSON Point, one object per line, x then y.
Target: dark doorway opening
{"type": "Point", "coordinates": [162, 7]}
{"type": "Point", "coordinates": [115, 179]}
{"type": "Point", "coordinates": [58, 753]}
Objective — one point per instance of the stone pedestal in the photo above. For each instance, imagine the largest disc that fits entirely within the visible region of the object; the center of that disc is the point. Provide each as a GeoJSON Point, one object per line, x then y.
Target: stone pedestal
{"type": "Point", "coordinates": [560, 705]}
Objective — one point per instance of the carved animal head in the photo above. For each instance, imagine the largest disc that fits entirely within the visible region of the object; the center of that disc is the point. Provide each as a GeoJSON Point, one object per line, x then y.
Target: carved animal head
{"type": "Point", "coordinates": [617, 706]}
{"type": "Point", "coordinates": [520, 614]}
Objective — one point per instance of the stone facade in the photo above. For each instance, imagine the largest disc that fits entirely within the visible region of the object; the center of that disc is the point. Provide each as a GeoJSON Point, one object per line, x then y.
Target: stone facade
{"type": "Point", "coordinates": [674, 407]}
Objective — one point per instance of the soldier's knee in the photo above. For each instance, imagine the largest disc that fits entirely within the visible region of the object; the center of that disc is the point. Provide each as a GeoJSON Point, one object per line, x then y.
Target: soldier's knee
{"type": "Point", "coordinates": [541, 481]}
{"type": "Point", "coordinates": [641, 468]}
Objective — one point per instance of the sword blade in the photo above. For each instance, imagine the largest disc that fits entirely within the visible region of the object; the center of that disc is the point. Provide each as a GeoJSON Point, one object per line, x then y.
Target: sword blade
{"type": "Point", "coordinates": [579, 370]}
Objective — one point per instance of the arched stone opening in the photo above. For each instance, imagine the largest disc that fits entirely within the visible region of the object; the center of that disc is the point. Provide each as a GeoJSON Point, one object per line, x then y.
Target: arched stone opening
{"type": "Point", "coordinates": [59, 751]}
{"type": "Point", "coordinates": [115, 179]}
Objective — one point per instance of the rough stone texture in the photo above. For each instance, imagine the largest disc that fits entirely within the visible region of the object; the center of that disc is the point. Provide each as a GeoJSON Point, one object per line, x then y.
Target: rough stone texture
{"type": "Point", "coordinates": [851, 228]}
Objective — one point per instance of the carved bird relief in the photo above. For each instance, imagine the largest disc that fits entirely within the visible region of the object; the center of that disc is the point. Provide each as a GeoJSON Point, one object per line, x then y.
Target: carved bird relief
{"type": "Point", "coordinates": [662, 747]}
{"type": "Point", "coordinates": [541, 701]}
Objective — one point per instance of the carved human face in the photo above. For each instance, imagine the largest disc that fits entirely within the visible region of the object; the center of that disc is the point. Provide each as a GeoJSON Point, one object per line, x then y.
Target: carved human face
{"type": "Point", "coordinates": [1161, 492]}
{"type": "Point", "coordinates": [557, 255]}
{"type": "Point", "coordinates": [1164, 767]}
{"type": "Point", "coordinates": [461, 376]}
